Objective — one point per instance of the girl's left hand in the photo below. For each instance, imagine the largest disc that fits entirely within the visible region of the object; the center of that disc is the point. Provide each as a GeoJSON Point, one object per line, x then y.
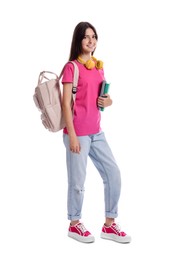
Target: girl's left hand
{"type": "Point", "coordinates": [104, 101]}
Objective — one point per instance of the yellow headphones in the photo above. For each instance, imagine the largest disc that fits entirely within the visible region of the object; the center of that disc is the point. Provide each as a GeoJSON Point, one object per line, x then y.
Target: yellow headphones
{"type": "Point", "coordinates": [90, 64]}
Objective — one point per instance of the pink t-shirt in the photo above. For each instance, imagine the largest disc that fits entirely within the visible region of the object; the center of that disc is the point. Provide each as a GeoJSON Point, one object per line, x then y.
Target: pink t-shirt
{"type": "Point", "coordinates": [87, 116]}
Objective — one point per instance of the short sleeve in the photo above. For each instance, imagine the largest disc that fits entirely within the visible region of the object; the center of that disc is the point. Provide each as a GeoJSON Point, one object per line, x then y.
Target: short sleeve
{"type": "Point", "coordinates": [102, 73]}
{"type": "Point", "coordinates": [68, 73]}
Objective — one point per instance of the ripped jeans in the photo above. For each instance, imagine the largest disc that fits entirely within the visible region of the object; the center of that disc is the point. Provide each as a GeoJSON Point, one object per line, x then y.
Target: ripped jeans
{"type": "Point", "coordinates": [96, 147]}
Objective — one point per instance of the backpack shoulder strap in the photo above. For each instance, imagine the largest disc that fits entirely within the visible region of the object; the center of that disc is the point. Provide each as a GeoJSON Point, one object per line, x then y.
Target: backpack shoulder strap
{"type": "Point", "coordinates": [75, 78]}
{"type": "Point", "coordinates": [76, 74]}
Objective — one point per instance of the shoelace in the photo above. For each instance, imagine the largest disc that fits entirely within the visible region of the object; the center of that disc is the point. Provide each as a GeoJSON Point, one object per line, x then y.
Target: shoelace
{"type": "Point", "coordinates": [82, 227]}
{"type": "Point", "coordinates": [117, 227]}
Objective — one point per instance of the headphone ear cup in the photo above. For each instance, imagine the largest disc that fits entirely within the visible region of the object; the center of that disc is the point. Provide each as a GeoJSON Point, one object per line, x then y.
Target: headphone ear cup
{"type": "Point", "coordinates": [99, 64]}
{"type": "Point", "coordinates": [90, 64]}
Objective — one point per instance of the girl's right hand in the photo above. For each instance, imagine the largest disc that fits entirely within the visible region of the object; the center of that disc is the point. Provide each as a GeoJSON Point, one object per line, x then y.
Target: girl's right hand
{"type": "Point", "coordinates": [74, 145]}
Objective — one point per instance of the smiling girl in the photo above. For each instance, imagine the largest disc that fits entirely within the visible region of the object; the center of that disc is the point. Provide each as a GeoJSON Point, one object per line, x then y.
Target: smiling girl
{"type": "Point", "coordinates": [84, 137]}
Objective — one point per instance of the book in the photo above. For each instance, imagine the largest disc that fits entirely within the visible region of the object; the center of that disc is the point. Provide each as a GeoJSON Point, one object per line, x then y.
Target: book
{"type": "Point", "coordinates": [104, 90]}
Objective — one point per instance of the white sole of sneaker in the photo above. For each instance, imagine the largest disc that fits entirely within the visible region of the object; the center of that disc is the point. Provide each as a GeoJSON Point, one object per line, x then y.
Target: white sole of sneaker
{"type": "Point", "coordinates": [89, 239]}
{"type": "Point", "coordinates": [125, 239]}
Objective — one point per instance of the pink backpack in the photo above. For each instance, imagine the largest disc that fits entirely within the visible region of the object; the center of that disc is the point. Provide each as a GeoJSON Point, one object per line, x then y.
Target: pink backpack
{"type": "Point", "coordinates": [48, 98]}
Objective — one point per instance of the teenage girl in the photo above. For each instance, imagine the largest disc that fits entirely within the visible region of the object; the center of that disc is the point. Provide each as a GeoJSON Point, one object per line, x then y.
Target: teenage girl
{"type": "Point", "coordinates": [84, 137]}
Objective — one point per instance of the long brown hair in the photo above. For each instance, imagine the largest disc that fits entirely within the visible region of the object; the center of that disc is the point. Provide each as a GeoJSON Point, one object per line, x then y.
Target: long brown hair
{"type": "Point", "coordinates": [78, 36]}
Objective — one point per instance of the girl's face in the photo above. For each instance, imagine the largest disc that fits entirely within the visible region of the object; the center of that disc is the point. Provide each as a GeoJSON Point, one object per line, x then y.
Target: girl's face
{"type": "Point", "coordinates": [89, 41]}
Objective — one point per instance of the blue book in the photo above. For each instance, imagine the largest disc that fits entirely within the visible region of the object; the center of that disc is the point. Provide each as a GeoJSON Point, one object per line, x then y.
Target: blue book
{"type": "Point", "coordinates": [104, 90]}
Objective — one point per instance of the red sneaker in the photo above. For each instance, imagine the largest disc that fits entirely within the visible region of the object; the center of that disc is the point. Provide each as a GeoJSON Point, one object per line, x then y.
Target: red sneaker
{"type": "Point", "coordinates": [113, 233]}
{"type": "Point", "coordinates": [80, 233]}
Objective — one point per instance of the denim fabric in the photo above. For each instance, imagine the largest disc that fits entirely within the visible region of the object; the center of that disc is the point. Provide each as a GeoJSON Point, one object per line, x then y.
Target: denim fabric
{"type": "Point", "coordinates": [96, 147]}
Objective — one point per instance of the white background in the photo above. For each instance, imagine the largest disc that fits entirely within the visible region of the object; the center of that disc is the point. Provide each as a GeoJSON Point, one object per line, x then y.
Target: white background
{"type": "Point", "coordinates": [135, 43]}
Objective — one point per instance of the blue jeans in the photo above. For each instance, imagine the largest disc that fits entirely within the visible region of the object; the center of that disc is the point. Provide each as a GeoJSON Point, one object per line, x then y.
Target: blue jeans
{"type": "Point", "coordinates": [96, 147]}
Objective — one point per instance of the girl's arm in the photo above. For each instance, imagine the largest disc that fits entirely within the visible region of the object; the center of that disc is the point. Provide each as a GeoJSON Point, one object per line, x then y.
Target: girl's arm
{"type": "Point", "coordinates": [68, 116]}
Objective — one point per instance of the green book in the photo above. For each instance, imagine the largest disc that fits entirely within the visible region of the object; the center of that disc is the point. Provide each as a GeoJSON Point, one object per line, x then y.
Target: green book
{"type": "Point", "coordinates": [104, 90]}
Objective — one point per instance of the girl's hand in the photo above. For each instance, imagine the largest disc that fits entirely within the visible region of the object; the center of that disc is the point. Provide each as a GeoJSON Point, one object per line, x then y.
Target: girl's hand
{"type": "Point", "coordinates": [104, 101]}
{"type": "Point", "coordinates": [74, 145]}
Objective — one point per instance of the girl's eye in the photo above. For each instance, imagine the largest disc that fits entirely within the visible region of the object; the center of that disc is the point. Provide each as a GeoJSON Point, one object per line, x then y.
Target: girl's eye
{"type": "Point", "coordinates": [89, 37]}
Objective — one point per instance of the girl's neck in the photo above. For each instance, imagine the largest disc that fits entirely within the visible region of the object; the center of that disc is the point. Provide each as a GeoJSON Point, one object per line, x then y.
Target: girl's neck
{"type": "Point", "coordinates": [85, 57]}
